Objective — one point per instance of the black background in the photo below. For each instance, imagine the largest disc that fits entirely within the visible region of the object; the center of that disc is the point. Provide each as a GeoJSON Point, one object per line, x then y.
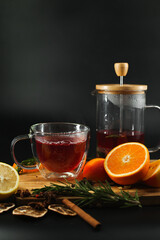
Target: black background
{"type": "Point", "coordinates": [53, 53]}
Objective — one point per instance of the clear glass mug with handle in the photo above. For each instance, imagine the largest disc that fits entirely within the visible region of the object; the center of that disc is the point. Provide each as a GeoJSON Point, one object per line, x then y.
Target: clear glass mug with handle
{"type": "Point", "coordinates": [59, 148]}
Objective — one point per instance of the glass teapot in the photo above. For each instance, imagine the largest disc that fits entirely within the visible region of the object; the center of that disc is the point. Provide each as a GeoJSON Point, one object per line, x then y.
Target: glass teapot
{"type": "Point", "coordinates": [120, 113]}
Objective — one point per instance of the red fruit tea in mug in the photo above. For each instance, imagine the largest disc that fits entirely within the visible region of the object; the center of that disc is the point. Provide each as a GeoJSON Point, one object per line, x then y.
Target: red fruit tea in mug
{"type": "Point", "coordinates": [108, 139]}
{"type": "Point", "coordinates": [60, 153]}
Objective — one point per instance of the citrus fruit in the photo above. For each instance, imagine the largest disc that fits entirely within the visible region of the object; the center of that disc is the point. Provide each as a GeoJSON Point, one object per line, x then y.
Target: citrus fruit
{"type": "Point", "coordinates": [9, 180]}
{"type": "Point", "coordinates": [22, 170]}
{"type": "Point", "coordinates": [152, 177]}
{"type": "Point", "coordinates": [94, 170]}
{"type": "Point", "coordinates": [31, 162]}
{"type": "Point", "coordinates": [127, 163]}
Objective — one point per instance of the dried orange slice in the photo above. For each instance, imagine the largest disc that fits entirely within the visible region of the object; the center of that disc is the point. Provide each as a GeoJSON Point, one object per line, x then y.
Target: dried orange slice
{"type": "Point", "coordinates": [152, 177]}
{"type": "Point", "coordinates": [127, 163]}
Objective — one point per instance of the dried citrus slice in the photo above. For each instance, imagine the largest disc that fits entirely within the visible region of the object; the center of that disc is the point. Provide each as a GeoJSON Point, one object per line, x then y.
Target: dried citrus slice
{"type": "Point", "coordinates": [127, 163]}
{"type": "Point", "coordinates": [152, 177]}
{"type": "Point", "coordinates": [9, 180]}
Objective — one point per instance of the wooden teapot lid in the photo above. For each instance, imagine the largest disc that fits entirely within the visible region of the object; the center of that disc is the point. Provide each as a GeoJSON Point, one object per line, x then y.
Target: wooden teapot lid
{"type": "Point", "coordinates": [121, 70]}
{"type": "Point", "coordinates": [123, 88]}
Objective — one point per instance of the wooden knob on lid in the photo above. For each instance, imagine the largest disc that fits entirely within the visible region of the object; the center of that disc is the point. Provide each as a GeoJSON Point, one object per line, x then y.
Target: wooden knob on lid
{"type": "Point", "coordinates": [121, 69]}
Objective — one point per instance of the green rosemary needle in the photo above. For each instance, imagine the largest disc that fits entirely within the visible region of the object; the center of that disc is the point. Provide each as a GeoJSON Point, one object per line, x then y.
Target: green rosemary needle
{"type": "Point", "coordinates": [83, 193]}
{"type": "Point", "coordinates": [27, 162]}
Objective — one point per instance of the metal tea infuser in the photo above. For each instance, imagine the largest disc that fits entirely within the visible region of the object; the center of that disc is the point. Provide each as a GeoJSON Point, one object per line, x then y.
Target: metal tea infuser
{"type": "Point", "coordinates": [120, 113]}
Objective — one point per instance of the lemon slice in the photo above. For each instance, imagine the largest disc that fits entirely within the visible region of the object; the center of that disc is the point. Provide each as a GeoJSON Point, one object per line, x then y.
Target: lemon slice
{"type": "Point", "coordinates": [9, 180]}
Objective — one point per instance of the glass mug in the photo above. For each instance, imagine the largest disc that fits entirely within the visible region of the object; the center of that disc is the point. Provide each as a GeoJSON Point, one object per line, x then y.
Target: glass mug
{"type": "Point", "coordinates": [60, 149]}
{"type": "Point", "coordinates": [120, 115]}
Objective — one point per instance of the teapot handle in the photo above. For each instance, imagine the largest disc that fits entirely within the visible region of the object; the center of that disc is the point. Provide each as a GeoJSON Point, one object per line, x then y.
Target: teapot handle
{"type": "Point", "coordinates": [153, 149]}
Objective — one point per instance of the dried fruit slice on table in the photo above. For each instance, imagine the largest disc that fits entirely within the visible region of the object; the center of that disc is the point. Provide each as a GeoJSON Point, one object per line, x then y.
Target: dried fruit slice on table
{"type": "Point", "coordinates": [61, 209]}
{"type": "Point", "coordinates": [29, 211]}
{"type": "Point", "coordinates": [9, 180]}
{"type": "Point", "coordinates": [6, 207]}
{"type": "Point", "coordinates": [127, 163]}
{"type": "Point", "coordinates": [152, 177]}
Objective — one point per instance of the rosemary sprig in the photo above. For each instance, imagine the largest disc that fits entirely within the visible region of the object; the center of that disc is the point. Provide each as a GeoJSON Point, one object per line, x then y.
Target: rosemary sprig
{"type": "Point", "coordinates": [83, 193]}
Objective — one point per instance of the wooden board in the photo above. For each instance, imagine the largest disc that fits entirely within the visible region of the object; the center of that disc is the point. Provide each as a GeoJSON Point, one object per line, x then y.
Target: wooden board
{"type": "Point", "coordinates": [148, 196]}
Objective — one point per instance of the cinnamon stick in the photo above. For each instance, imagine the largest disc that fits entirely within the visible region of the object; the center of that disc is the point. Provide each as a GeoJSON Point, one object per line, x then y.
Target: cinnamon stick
{"type": "Point", "coordinates": [88, 218]}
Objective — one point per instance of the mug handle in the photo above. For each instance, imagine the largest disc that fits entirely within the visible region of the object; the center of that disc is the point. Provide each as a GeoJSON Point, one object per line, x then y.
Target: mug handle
{"type": "Point", "coordinates": [154, 149]}
{"type": "Point", "coordinates": [13, 143]}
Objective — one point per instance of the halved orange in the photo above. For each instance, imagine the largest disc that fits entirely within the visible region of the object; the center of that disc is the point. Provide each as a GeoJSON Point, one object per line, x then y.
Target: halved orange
{"type": "Point", "coordinates": [152, 177]}
{"type": "Point", "coordinates": [127, 163]}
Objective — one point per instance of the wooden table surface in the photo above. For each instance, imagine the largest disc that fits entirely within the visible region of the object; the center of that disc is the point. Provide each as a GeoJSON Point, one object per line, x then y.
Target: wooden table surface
{"type": "Point", "coordinates": [148, 195]}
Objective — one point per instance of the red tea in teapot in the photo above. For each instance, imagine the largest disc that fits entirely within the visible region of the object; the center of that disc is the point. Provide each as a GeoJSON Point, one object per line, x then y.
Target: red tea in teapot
{"type": "Point", "coordinates": [108, 139]}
